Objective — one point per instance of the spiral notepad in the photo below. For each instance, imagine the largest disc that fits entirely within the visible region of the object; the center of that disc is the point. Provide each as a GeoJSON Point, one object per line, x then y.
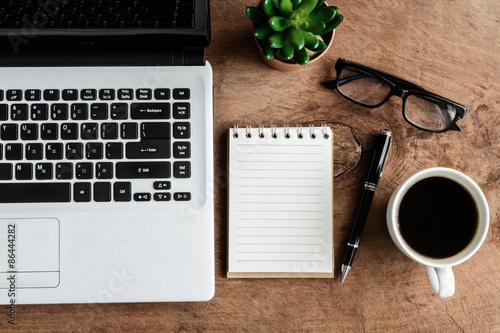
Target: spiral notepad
{"type": "Point", "coordinates": [280, 202]}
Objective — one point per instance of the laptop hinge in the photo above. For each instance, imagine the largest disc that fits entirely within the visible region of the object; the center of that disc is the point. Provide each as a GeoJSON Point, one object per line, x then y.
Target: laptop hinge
{"type": "Point", "coordinates": [59, 58]}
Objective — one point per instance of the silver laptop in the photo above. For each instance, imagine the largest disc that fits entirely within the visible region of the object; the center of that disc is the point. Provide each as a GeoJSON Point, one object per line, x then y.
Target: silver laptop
{"type": "Point", "coordinates": [106, 159]}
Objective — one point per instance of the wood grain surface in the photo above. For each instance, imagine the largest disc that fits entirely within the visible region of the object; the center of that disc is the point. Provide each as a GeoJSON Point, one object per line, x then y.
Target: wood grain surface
{"type": "Point", "coordinates": [450, 47]}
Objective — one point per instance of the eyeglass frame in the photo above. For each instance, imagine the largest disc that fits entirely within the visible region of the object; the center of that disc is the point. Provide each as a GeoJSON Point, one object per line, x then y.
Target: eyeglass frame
{"type": "Point", "coordinates": [398, 87]}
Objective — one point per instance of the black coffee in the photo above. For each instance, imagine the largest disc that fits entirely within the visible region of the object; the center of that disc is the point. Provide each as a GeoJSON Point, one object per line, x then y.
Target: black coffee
{"type": "Point", "coordinates": [438, 217]}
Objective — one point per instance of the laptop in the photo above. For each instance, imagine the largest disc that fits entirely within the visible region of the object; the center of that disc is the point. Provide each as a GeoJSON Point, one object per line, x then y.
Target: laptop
{"type": "Point", "coordinates": [106, 152]}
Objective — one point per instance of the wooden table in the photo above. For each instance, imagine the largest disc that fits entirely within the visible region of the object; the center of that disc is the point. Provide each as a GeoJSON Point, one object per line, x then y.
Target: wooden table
{"type": "Point", "coordinates": [450, 47]}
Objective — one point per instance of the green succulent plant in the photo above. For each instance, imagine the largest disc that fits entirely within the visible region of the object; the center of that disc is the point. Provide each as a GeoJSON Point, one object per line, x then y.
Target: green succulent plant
{"type": "Point", "coordinates": [292, 26]}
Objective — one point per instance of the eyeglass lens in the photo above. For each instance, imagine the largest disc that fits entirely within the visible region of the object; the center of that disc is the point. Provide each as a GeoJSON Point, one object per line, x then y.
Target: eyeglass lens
{"type": "Point", "coordinates": [362, 87]}
{"type": "Point", "coordinates": [422, 111]}
{"type": "Point", "coordinates": [428, 113]}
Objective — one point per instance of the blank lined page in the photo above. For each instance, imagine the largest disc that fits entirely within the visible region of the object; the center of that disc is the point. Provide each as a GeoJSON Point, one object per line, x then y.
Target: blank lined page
{"type": "Point", "coordinates": [280, 204]}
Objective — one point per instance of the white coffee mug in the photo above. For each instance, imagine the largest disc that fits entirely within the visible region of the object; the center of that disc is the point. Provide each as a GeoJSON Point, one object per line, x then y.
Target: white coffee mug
{"type": "Point", "coordinates": [439, 269]}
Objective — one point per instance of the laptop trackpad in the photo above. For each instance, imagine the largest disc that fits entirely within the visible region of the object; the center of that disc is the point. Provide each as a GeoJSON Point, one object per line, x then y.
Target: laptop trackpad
{"type": "Point", "coordinates": [29, 253]}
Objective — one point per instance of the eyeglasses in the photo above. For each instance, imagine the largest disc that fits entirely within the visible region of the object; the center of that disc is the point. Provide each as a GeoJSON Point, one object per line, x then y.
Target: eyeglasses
{"type": "Point", "coordinates": [371, 88]}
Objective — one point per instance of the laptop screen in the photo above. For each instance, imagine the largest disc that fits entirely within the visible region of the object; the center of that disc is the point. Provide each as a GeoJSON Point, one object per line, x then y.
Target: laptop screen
{"type": "Point", "coordinates": [122, 24]}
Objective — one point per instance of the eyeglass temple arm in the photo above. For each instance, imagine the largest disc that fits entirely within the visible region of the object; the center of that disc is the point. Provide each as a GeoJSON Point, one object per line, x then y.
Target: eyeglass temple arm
{"type": "Point", "coordinates": [402, 82]}
{"type": "Point", "coordinates": [333, 83]}
{"type": "Point", "coordinates": [351, 78]}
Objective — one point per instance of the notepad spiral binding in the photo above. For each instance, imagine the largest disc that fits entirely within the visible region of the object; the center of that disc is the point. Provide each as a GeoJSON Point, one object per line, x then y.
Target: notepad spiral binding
{"type": "Point", "coordinates": [286, 131]}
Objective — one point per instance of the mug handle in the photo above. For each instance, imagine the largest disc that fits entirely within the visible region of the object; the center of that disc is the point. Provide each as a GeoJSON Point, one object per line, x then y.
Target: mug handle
{"type": "Point", "coordinates": [442, 280]}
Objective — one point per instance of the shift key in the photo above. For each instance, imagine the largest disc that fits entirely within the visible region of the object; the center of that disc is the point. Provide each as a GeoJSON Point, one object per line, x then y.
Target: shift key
{"type": "Point", "coordinates": [146, 149]}
{"type": "Point", "coordinates": [132, 170]}
{"type": "Point", "coordinates": [150, 111]}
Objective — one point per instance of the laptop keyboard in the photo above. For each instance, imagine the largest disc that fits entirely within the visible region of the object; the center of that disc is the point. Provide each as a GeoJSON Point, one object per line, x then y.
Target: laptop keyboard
{"type": "Point", "coordinates": [90, 145]}
{"type": "Point", "coordinates": [97, 13]}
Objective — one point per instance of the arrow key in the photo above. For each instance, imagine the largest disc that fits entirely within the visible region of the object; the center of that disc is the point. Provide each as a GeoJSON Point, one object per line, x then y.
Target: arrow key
{"type": "Point", "coordinates": [162, 196]}
{"type": "Point", "coordinates": [162, 185]}
{"type": "Point", "coordinates": [182, 196]}
{"type": "Point", "coordinates": [142, 196]}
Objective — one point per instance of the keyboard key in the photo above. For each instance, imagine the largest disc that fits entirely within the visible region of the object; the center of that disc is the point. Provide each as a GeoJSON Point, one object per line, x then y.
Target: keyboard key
{"type": "Point", "coordinates": [143, 94]}
{"type": "Point", "coordinates": [64, 170]}
{"type": "Point", "coordinates": [155, 130]}
{"type": "Point", "coordinates": [49, 132]}
{"type": "Point", "coordinates": [125, 94]}
{"type": "Point", "coordinates": [104, 170]}
{"type": "Point", "coordinates": [162, 185]}
{"type": "Point", "coordinates": [29, 132]}
{"type": "Point", "coordinates": [121, 191]}
{"type": "Point", "coordinates": [88, 94]}
{"type": "Point", "coordinates": [39, 112]}
{"type": "Point", "coordinates": [19, 112]}
{"type": "Point", "coordinates": [8, 132]}
{"type": "Point", "coordinates": [4, 112]}
{"type": "Point", "coordinates": [74, 151]}
{"type": "Point", "coordinates": [14, 151]}
{"type": "Point", "coordinates": [106, 94]}
{"type": "Point", "coordinates": [142, 196]}
{"type": "Point", "coordinates": [181, 111]}
{"type": "Point", "coordinates": [182, 196]}
{"type": "Point", "coordinates": [43, 171]}
{"type": "Point", "coordinates": [5, 174]}
{"type": "Point", "coordinates": [109, 131]}
{"type": "Point", "coordinates": [79, 111]}
{"type": "Point", "coordinates": [146, 149]}
{"type": "Point", "coordinates": [133, 170]}
{"type": "Point", "coordinates": [162, 94]}
{"type": "Point", "coordinates": [70, 94]}
{"type": "Point", "coordinates": [51, 95]}
{"type": "Point", "coordinates": [84, 170]}
{"type": "Point", "coordinates": [59, 111]}
{"type": "Point", "coordinates": [183, 93]}
{"type": "Point", "coordinates": [34, 192]}
{"type": "Point", "coordinates": [33, 95]}
{"type": "Point", "coordinates": [54, 151]}
{"type": "Point", "coordinates": [89, 131]}
{"type": "Point", "coordinates": [114, 150]}
{"type": "Point", "coordinates": [150, 111]}
{"type": "Point", "coordinates": [119, 111]}
{"type": "Point", "coordinates": [182, 169]}
{"type": "Point", "coordinates": [182, 130]}
{"type": "Point", "coordinates": [69, 131]}
{"type": "Point", "coordinates": [34, 151]}
{"type": "Point", "coordinates": [182, 149]}
{"type": "Point", "coordinates": [24, 171]}
{"type": "Point", "coordinates": [1, 95]}
{"type": "Point", "coordinates": [94, 150]}
{"type": "Point", "coordinates": [129, 131]}
{"type": "Point", "coordinates": [162, 196]}
{"type": "Point", "coordinates": [99, 111]}
{"type": "Point", "coordinates": [81, 192]}
{"type": "Point", "coordinates": [14, 95]}
{"type": "Point", "coordinates": [102, 192]}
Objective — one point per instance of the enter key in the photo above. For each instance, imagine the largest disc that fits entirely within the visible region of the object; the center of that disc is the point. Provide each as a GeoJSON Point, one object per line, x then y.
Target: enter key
{"type": "Point", "coordinates": [145, 149]}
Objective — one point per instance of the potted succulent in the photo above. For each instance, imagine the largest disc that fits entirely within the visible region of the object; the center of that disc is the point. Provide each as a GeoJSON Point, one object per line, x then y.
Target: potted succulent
{"type": "Point", "coordinates": [290, 33]}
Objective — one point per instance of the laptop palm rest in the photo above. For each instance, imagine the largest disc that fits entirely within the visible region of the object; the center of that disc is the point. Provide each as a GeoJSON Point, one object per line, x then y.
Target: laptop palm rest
{"type": "Point", "coordinates": [29, 253]}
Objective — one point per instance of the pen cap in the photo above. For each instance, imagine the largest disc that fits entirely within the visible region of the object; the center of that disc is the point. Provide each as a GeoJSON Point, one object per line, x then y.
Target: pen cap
{"type": "Point", "coordinates": [379, 157]}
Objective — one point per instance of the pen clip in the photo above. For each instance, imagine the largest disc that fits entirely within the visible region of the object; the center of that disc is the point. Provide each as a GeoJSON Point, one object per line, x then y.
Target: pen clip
{"type": "Point", "coordinates": [379, 157]}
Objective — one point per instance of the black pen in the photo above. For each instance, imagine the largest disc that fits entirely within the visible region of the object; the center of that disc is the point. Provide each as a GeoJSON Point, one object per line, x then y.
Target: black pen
{"type": "Point", "coordinates": [374, 174]}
